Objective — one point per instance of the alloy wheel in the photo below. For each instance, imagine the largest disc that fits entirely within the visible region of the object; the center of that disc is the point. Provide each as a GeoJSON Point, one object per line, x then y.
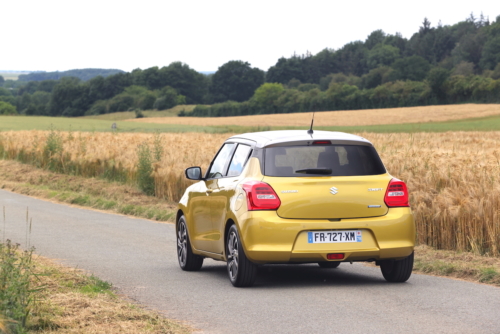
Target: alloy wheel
{"type": "Point", "coordinates": [182, 244]}
{"type": "Point", "coordinates": [232, 246]}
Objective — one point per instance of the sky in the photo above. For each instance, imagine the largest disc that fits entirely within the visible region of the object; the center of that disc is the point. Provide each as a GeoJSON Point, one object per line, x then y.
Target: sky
{"type": "Point", "coordinates": [54, 35]}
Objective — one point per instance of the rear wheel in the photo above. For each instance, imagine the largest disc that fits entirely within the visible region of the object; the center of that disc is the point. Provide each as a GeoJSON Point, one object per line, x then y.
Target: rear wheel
{"type": "Point", "coordinates": [242, 272]}
{"type": "Point", "coordinates": [187, 260]}
{"type": "Point", "coordinates": [397, 271]}
{"type": "Point", "coordinates": [333, 264]}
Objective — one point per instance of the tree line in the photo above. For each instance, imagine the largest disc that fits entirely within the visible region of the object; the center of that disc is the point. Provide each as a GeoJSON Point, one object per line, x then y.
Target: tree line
{"type": "Point", "coordinates": [437, 65]}
{"type": "Point", "coordinates": [82, 74]}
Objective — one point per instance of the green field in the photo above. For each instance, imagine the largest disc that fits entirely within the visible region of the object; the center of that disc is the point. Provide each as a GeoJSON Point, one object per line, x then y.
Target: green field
{"type": "Point", "coordinates": [11, 75]}
{"type": "Point", "coordinates": [85, 124]}
{"type": "Point", "coordinates": [102, 125]}
{"type": "Point", "coordinates": [491, 123]}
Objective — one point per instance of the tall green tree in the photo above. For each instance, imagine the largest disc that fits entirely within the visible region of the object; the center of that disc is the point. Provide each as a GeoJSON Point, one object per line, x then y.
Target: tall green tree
{"type": "Point", "coordinates": [352, 58]}
{"type": "Point", "coordinates": [266, 97]}
{"type": "Point", "coordinates": [285, 70]}
{"type": "Point", "coordinates": [376, 77]}
{"type": "Point", "coordinates": [376, 37]}
{"type": "Point", "coordinates": [382, 55]}
{"type": "Point", "coordinates": [437, 78]}
{"type": "Point", "coordinates": [236, 81]}
{"type": "Point", "coordinates": [69, 98]}
{"type": "Point", "coordinates": [469, 48]}
{"type": "Point", "coordinates": [186, 81]}
{"type": "Point", "coordinates": [413, 68]}
{"type": "Point", "coordinates": [490, 56]}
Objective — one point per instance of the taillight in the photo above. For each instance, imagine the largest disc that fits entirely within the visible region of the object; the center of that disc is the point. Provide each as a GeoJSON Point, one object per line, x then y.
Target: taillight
{"type": "Point", "coordinates": [396, 194]}
{"type": "Point", "coordinates": [261, 196]}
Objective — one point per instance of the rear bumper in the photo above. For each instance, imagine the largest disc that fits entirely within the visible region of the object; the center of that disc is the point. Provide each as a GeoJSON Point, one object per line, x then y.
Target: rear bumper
{"type": "Point", "coordinates": [267, 238]}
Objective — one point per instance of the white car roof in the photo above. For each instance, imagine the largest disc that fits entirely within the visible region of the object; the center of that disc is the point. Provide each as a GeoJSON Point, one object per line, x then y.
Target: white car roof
{"type": "Point", "coordinates": [278, 138]}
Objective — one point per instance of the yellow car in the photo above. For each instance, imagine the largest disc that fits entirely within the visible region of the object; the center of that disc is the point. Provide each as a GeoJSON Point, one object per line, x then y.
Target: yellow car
{"type": "Point", "coordinates": [295, 197]}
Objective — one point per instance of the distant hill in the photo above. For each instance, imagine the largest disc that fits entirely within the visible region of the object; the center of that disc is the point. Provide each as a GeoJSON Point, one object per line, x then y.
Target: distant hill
{"type": "Point", "coordinates": [83, 74]}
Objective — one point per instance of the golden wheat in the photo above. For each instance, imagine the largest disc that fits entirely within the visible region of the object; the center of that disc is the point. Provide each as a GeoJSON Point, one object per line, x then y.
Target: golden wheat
{"type": "Point", "coordinates": [453, 177]}
{"type": "Point", "coordinates": [344, 118]}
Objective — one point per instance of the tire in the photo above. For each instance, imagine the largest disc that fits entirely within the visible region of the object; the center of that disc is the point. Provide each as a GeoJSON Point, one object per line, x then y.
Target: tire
{"type": "Point", "coordinates": [187, 260]}
{"type": "Point", "coordinates": [332, 264]}
{"type": "Point", "coordinates": [242, 272]}
{"type": "Point", "coordinates": [397, 271]}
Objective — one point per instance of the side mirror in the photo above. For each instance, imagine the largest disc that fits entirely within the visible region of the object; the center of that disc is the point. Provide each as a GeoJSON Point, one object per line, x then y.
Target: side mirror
{"type": "Point", "coordinates": [193, 173]}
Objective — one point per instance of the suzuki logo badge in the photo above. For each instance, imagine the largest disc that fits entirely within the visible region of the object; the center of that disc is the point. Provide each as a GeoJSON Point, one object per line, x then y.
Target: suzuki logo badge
{"type": "Point", "coordinates": [333, 190]}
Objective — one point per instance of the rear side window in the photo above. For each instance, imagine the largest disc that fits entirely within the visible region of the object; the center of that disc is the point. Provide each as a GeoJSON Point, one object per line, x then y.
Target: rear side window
{"type": "Point", "coordinates": [240, 157]}
{"type": "Point", "coordinates": [330, 160]}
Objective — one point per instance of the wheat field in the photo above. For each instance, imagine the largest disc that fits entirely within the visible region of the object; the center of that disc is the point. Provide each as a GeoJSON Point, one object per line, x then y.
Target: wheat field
{"type": "Point", "coordinates": [453, 177]}
{"type": "Point", "coordinates": [344, 118]}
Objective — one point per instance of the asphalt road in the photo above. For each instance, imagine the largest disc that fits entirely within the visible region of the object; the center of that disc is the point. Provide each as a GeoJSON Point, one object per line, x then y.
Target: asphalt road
{"type": "Point", "coordinates": [139, 257]}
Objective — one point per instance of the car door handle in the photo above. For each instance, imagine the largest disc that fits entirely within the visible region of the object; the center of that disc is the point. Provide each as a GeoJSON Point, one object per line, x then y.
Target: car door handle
{"type": "Point", "coordinates": [209, 191]}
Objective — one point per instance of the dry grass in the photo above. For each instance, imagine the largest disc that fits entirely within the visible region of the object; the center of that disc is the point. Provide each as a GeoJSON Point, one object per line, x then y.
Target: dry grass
{"type": "Point", "coordinates": [73, 302]}
{"type": "Point", "coordinates": [461, 265]}
{"type": "Point", "coordinates": [98, 193]}
{"type": "Point", "coordinates": [453, 177]}
{"type": "Point", "coordinates": [344, 118]}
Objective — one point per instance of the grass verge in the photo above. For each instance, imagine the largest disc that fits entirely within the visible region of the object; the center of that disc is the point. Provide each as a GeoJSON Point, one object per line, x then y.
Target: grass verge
{"type": "Point", "coordinates": [74, 302]}
{"type": "Point", "coordinates": [88, 192]}
{"type": "Point", "coordinates": [460, 265]}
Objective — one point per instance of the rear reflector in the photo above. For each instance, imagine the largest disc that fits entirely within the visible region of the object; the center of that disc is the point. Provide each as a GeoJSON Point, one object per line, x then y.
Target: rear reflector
{"type": "Point", "coordinates": [261, 196]}
{"type": "Point", "coordinates": [396, 194]}
{"type": "Point", "coordinates": [335, 256]}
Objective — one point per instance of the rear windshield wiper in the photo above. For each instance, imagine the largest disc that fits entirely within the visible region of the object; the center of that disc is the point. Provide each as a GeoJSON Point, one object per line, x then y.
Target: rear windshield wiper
{"type": "Point", "coordinates": [323, 171]}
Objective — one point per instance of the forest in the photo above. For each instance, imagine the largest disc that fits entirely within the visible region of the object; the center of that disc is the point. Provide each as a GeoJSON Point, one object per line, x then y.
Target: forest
{"type": "Point", "coordinates": [439, 64]}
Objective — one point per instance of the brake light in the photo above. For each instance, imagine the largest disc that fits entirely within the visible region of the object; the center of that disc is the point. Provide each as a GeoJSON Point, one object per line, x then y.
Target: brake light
{"type": "Point", "coordinates": [261, 196]}
{"type": "Point", "coordinates": [322, 142]}
{"type": "Point", "coordinates": [396, 194]}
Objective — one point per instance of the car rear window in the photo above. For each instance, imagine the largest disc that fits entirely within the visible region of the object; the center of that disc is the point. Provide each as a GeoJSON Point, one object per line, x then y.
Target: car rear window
{"type": "Point", "coordinates": [328, 160]}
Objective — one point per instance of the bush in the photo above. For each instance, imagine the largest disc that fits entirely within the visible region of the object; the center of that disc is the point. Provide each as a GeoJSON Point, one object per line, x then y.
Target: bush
{"type": "Point", "coordinates": [98, 108]}
{"type": "Point", "coordinates": [145, 180]}
{"type": "Point", "coordinates": [52, 151]}
{"type": "Point", "coordinates": [146, 101]}
{"type": "Point", "coordinates": [496, 72]}
{"type": "Point", "coordinates": [168, 98]}
{"type": "Point", "coordinates": [163, 103]}
{"type": "Point", "coordinates": [138, 113]}
{"type": "Point", "coordinates": [7, 108]}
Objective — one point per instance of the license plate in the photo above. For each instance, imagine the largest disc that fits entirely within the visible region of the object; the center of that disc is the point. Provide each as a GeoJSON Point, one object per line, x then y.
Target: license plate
{"type": "Point", "coordinates": [326, 237]}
